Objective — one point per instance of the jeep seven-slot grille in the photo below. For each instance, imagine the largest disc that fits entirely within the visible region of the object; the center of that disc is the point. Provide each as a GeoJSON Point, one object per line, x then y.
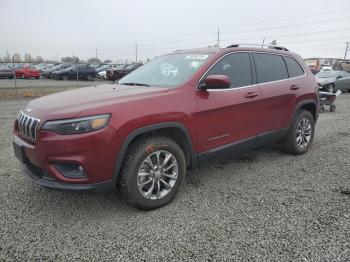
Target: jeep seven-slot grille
{"type": "Point", "coordinates": [27, 126]}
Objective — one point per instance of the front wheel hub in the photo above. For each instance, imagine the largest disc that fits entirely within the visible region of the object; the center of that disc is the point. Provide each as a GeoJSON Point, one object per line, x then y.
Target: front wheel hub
{"type": "Point", "coordinates": [157, 174]}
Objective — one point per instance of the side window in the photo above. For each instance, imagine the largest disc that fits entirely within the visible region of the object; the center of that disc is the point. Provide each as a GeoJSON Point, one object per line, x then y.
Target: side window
{"type": "Point", "coordinates": [294, 69]}
{"type": "Point", "coordinates": [236, 67]}
{"type": "Point", "coordinates": [269, 67]}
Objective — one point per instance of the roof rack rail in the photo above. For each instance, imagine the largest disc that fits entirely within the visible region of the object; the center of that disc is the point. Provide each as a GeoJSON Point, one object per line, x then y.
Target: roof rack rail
{"type": "Point", "coordinates": [260, 45]}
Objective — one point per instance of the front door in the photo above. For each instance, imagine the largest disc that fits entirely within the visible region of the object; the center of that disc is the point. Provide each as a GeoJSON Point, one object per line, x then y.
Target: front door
{"type": "Point", "coordinates": [227, 116]}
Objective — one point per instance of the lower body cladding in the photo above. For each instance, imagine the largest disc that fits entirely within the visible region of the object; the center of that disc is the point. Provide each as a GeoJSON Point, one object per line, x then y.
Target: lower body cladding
{"type": "Point", "coordinates": [70, 162]}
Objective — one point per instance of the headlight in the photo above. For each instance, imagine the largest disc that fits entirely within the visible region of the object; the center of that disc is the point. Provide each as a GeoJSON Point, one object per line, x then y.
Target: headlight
{"type": "Point", "coordinates": [77, 125]}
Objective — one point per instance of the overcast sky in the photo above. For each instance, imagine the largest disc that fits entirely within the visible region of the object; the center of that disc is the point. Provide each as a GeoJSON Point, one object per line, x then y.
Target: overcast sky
{"type": "Point", "coordinates": [317, 28]}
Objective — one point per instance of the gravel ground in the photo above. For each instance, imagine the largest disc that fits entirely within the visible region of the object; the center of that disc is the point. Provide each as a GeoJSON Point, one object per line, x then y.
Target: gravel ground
{"type": "Point", "coordinates": [44, 82]}
{"type": "Point", "coordinates": [257, 206]}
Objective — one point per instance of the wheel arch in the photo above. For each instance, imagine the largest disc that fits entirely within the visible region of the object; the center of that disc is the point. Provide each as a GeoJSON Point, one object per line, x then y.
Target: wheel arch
{"type": "Point", "coordinates": [309, 105]}
{"type": "Point", "coordinates": [173, 130]}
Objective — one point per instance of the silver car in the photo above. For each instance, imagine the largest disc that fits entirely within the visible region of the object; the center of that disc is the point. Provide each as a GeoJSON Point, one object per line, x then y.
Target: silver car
{"type": "Point", "coordinates": [332, 81]}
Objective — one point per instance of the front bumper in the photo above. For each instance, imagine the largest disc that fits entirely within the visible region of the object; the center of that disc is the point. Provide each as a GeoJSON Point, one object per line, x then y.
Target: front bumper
{"type": "Point", "coordinates": [42, 178]}
{"type": "Point", "coordinates": [95, 152]}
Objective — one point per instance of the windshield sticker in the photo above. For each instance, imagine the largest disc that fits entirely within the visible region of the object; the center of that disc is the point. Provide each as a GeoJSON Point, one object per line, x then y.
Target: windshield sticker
{"type": "Point", "coordinates": [168, 70]}
{"type": "Point", "coordinates": [197, 57]}
{"type": "Point", "coordinates": [196, 64]}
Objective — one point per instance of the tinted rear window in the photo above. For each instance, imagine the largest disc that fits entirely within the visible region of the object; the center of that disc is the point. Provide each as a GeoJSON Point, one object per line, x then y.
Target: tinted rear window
{"type": "Point", "coordinates": [294, 69]}
{"type": "Point", "coordinates": [269, 67]}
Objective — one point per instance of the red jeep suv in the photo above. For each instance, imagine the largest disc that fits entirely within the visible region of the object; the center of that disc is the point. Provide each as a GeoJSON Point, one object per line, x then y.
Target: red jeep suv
{"type": "Point", "coordinates": [140, 136]}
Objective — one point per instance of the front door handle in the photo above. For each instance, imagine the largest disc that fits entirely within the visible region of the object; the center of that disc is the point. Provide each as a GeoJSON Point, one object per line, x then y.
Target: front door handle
{"type": "Point", "coordinates": [251, 95]}
{"type": "Point", "coordinates": [294, 87]}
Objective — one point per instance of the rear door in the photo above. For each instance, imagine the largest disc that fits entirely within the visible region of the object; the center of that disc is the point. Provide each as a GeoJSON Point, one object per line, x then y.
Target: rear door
{"type": "Point", "coordinates": [226, 116]}
{"type": "Point", "coordinates": [278, 90]}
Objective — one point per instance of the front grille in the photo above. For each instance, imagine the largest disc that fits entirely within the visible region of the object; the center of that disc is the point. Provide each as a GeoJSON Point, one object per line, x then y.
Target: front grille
{"type": "Point", "coordinates": [27, 126]}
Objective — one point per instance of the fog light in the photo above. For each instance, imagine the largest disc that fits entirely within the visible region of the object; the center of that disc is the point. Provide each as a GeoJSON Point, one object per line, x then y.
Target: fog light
{"type": "Point", "coordinates": [71, 170]}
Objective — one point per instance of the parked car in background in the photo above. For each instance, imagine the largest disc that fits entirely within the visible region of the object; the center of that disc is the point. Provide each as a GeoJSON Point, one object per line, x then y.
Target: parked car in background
{"type": "Point", "coordinates": [101, 68]}
{"type": "Point", "coordinates": [332, 81]}
{"type": "Point", "coordinates": [119, 72]}
{"type": "Point", "coordinates": [47, 73]}
{"type": "Point", "coordinates": [28, 72]}
{"type": "Point", "coordinates": [6, 72]}
{"type": "Point", "coordinates": [78, 71]}
{"type": "Point", "coordinates": [43, 66]}
{"type": "Point", "coordinates": [140, 136]}
{"type": "Point", "coordinates": [102, 74]}
{"type": "Point", "coordinates": [109, 71]}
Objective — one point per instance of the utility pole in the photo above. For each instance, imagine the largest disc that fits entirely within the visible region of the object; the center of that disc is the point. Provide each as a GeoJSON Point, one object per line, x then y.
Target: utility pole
{"type": "Point", "coordinates": [346, 50]}
{"type": "Point", "coordinates": [14, 73]}
{"type": "Point", "coordinates": [218, 38]}
{"type": "Point", "coordinates": [136, 52]}
{"type": "Point", "coordinates": [263, 42]}
{"type": "Point", "coordinates": [96, 53]}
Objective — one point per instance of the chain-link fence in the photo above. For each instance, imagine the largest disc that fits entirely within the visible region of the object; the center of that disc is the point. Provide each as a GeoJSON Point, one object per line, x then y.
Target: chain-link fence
{"type": "Point", "coordinates": [36, 79]}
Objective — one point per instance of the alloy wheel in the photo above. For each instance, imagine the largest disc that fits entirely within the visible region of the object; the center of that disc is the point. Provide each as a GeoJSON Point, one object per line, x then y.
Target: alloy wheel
{"type": "Point", "coordinates": [157, 174]}
{"type": "Point", "coordinates": [303, 132]}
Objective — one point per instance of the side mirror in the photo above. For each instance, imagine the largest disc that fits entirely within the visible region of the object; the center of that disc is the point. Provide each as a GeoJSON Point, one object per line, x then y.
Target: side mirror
{"type": "Point", "coordinates": [338, 77]}
{"type": "Point", "coordinates": [215, 82]}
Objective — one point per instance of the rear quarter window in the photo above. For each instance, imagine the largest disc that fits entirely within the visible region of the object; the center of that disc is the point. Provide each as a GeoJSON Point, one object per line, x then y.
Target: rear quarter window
{"type": "Point", "coordinates": [269, 67]}
{"type": "Point", "coordinates": [294, 69]}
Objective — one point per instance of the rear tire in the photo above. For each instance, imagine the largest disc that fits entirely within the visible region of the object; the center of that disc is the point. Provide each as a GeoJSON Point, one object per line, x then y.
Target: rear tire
{"type": "Point", "coordinates": [152, 185]}
{"type": "Point", "coordinates": [301, 133]}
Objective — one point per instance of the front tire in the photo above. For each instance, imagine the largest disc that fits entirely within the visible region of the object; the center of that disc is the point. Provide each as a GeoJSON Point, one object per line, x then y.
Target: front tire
{"type": "Point", "coordinates": [301, 133]}
{"type": "Point", "coordinates": [331, 88]}
{"type": "Point", "coordinates": [152, 172]}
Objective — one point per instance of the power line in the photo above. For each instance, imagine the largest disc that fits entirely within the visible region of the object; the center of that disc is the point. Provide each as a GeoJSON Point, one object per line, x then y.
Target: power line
{"type": "Point", "coordinates": [291, 18]}
{"type": "Point", "coordinates": [291, 25]}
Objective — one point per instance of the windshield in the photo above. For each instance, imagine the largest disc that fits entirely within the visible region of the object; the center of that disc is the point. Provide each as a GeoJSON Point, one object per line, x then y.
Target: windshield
{"type": "Point", "coordinates": [326, 74]}
{"type": "Point", "coordinates": [168, 71]}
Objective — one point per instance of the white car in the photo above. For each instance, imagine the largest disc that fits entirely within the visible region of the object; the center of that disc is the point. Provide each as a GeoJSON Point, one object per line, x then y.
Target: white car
{"type": "Point", "coordinates": [102, 74]}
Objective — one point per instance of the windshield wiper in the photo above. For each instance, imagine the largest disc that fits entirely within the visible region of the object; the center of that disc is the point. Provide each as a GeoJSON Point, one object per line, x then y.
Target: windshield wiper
{"type": "Point", "coordinates": [134, 84]}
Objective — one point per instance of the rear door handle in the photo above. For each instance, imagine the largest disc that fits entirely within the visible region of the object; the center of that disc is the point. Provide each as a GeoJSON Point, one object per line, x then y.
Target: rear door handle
{"type": "Point", "coordinates": [251, 95]}
{"type": "Point", "coordinates": [294, 87]}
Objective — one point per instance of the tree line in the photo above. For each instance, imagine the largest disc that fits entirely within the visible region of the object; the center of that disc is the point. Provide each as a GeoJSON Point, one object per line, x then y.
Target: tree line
{"type": "Point", "coordinates": [28, 58]}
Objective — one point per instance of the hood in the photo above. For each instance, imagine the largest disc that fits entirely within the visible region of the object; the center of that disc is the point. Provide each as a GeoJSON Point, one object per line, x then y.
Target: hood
{"type": "Point", "coordinates": [325, 81]}
{"type": "Point", "coordinates": [70, 103]}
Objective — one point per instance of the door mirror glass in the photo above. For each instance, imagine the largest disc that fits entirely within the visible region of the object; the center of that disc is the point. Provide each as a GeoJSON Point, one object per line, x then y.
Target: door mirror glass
{"type": "Point", "coordinates": [339, 76]}
{"type": "Point", "coordinates": [215, 82]}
